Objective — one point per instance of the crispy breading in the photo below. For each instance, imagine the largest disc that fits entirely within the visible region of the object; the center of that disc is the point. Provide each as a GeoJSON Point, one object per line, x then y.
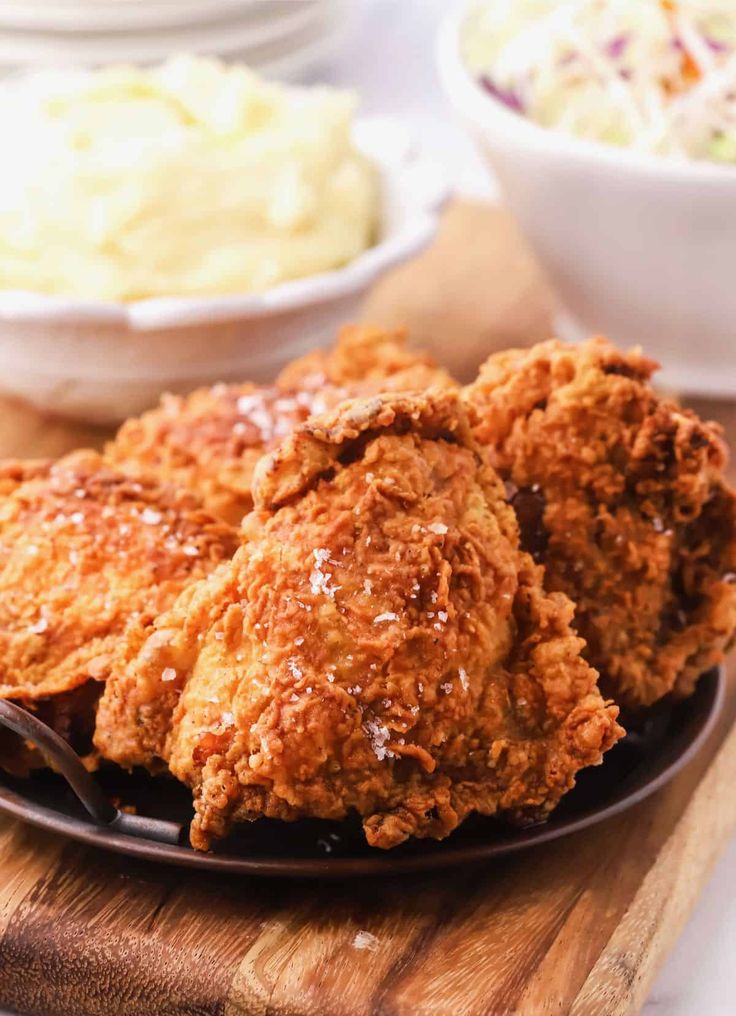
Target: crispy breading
{"type": "Point", "coordinates": [13, 472]}
{"type": "Point", "coordinates": [210, 441]}
{"type": "Point", "coordinates": [365, 361]}
{"type": "Point", "coordinates": [378, 644]}
{"type": "Point", "coordinates": [621, 494]}
{"type": "Point", "coordinates": [86, 552]}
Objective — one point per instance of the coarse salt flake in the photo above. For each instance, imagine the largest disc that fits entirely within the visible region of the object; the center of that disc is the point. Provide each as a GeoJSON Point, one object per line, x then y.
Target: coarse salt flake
{"type": "Point", "coordinates": [388, 616]}
{"type": "Point", "coordinates": [378, 735]}
{"type": "Point", "coordinates": [168, 674]}
{"type": "Point", "coordinates": [365, 940]}
{"type": "Point", "coordinates": [319, 580]}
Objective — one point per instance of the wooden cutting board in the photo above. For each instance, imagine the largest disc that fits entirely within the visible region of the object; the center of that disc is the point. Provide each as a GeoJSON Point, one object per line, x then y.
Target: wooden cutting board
{"type": "Point", "coordinates": [580, 926]}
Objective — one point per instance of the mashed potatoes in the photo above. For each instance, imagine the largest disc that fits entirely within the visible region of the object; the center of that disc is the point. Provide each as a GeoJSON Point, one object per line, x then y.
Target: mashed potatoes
{"type": "Point", "coordinates": [191, 178]}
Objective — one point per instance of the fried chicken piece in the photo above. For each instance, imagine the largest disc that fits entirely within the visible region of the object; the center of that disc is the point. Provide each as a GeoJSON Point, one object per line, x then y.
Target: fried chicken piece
{"type": "Point", "coordinates": [210, 441]}
{"type": "Point", "coordinates": [378, 644]}
{"type": "Point", "coordinates": [84, 553]}
{"type": "Point", "coordinates": [365, 361]}
{"type": "Point", "coordinates": [621, 495]}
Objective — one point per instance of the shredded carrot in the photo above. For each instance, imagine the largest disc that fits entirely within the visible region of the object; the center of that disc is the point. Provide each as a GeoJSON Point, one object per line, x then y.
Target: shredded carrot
{"type": "Point", "coordinates": [690, 70]}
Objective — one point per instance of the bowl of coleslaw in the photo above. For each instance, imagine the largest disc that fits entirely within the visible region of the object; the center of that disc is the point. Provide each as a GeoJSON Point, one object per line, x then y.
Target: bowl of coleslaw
{"type": "Point", "coordinates": [610, 126]}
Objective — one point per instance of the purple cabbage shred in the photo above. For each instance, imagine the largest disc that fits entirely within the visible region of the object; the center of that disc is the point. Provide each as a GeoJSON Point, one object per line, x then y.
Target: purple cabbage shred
{"type": "Point", "coordinates": [717, 46]}
{"type": "Point", "coordinates": [508, 97]}
{"type": "Point", "coordinates": [616, 48]}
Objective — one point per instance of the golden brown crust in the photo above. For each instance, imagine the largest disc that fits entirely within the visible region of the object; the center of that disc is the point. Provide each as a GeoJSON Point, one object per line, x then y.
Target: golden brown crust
{"type": "Point", "coordinates": [13, 472]}
{"type": "Point", "coordinates": [378, 644]}
{"type": "Point", "coordinates": [210, 441]}
{"type": "Point", "coordinates": [84, 553]}
{"type": "Point", "coordinates": [622, 496]}
{"type": "Point", "coordinates": [323, 441]}
{"type": "Point", "coordinates": [365, 361]}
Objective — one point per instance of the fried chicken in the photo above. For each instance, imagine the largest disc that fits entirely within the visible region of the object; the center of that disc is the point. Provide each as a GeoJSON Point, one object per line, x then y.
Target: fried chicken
{"type": "Point", "coordinates": [86, 554]}
{"type": "Point", "coordinates": [378, 644]}
{"type": "Point", "coordinates": [621, 495]}
{"type": "Point", "coordinates": [210, 441]}
{"type": "Point", "coordinates": [365, 361]}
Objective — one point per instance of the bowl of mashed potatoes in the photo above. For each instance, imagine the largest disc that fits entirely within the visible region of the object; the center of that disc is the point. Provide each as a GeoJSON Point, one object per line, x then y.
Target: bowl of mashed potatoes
{"type": "Point", "coordinates": [162, 228]}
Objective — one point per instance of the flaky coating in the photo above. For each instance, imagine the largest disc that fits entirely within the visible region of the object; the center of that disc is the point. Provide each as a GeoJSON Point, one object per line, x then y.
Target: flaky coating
{"type": "Point", "coordinates": [378, 644]}
{"type": "Point", "coordinates": [365, 361]}
{"type": "Point", "coordinates": [210, 441]}
{"type": "Point", "coordinates": [85, 552]}
{"type": "Point", "coordinates": [13, 472]}
{"type": "Point", "coordinates": [621, 494]}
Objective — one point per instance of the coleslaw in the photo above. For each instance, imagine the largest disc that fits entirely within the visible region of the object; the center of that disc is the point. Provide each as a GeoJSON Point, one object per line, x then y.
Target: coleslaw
{"type": "Point", "coordinates": [655, 75]}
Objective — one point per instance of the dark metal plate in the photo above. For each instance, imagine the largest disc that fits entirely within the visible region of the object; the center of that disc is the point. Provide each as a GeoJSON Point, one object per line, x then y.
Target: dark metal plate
{"type": "Point", "coordinates": [649, 756]}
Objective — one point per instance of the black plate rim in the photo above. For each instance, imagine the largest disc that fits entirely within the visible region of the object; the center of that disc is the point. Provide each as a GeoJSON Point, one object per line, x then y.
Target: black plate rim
{"type": "Point", "coordinates": [382, 863]}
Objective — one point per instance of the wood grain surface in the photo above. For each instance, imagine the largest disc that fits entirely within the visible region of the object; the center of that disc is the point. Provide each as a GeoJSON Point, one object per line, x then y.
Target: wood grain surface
{"type": "Point", "coordinates": [579, 926]}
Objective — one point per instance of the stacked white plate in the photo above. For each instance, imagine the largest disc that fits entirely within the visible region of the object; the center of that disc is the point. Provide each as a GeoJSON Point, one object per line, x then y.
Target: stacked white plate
{"type": "Point", "coordinates": [281, 38]}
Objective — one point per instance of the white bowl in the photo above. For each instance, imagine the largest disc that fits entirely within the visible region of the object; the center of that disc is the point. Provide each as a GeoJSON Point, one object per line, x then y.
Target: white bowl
{"type": "Point", "coordinates": [257, 40]}
{"type": "Point", "coordinates": [639, 247]}
{"type": "Point", "coordinates": [87, 16]}
{"type": "Point", "coordinates": [101, 362]}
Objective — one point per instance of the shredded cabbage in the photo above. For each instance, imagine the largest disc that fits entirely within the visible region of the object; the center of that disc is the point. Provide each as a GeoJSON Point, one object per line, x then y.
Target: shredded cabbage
{"type": "Point", "coordinates": [655, 75]}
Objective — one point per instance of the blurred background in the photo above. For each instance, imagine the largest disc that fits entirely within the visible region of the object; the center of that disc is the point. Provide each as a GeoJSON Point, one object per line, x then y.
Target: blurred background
{"type": "Point", "coordinates": [490, 289]}
{"type": "Point", "coordinates": [383, 49]}
{"type": "Point", "coordinates": [423, 69]}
